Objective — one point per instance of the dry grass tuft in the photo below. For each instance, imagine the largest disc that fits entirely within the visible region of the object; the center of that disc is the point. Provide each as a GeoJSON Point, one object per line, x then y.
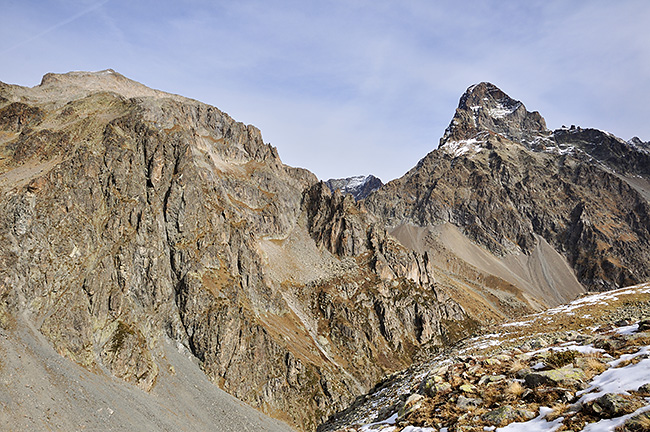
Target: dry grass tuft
{"type": "Point", "coordinates": [595, 366]}
{"type": "Point", "coordinates": [515, 389]}
{"type": "Point", "coordinates": [640, 423]}
{"type": "Point", "coordinates": [631, 361]}
{"type": "Point", "coordinates": [644, 422]}
{"type": "Point", "coordinates": [558, 411]}
{"type": "Point", "coordinates": [516, 366]}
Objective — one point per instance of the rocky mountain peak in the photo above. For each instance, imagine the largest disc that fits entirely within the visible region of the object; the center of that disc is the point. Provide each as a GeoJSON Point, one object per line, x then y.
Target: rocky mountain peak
{"type": "Point", "coordinates": [485, 109]}
{"type": "Point", "coordinates": [639, 145]}
{"type": "Point", "coordinates": [51, 77]}
{"type": "Point", "coordinates": [358, 186]}
{"type": "Point", "coordinates": [65, 87]}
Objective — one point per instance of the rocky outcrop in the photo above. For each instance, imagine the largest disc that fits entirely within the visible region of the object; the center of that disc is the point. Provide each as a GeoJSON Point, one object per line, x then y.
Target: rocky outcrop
{"type": "Point", "coordinates": [485, 108]}
{"type": "Point", "coordinates": [336, 222]}
{"type": "Point", "coordinates": [607, 150]}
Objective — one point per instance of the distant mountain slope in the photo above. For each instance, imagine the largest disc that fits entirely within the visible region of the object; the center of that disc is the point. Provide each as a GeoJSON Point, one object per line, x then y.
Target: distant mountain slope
{"type": "Point", "coordinates": [359, 186]}
{"type": "Point", "coordinates": [505, 182]}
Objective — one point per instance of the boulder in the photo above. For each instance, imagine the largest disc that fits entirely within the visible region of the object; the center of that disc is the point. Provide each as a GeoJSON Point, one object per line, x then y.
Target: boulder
{"type": "Point", "coordinates": [563, 376]}
{"type": "Point", "coordinates": [466, 403]}
{"type": "Point", "coordinates": [507, 414]}
{"type": "Point", "coordinates": [615, 405]}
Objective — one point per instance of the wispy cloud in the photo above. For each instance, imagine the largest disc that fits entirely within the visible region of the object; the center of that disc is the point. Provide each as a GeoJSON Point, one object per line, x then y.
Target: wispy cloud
{"type": "Point", "coordinates": [54, 27]}
{"type": "Point", "coordinates": [374, 81]}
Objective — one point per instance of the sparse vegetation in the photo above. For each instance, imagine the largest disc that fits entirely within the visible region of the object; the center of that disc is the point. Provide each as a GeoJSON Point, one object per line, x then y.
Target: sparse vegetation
{"type": "Point", "coordinates": [559, 409]}
{"type": "Point", "coordinates": [121, 333]}
{"type": "Point", "coordinates": [483, 381]}
{"type": "Point", "coordinates": [516, 366]}
{"type": "Point", "coordinates": [640, 423]}
{"type": "Point", "coordinates": [515, 389]}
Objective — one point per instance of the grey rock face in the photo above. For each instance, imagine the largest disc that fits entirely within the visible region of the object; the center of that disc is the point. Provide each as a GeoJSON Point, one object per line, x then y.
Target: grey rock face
{"type": "Point", "coordinates": [606, 149]}
{"type": "Point", "coordinates": [614, 405]}
{"type": "Point", "coordinates": [507, 414]}
{"type": "Point", "coordinates": [466, 403]}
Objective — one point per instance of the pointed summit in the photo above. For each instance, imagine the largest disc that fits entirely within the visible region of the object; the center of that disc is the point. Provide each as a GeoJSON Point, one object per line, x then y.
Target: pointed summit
{"type": "Point", "coordinates": [485, 108]}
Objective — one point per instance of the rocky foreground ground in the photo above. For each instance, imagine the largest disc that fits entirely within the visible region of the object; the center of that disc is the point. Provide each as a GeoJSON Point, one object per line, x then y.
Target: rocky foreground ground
{"type": "Point", "coordinates": [584, 366]}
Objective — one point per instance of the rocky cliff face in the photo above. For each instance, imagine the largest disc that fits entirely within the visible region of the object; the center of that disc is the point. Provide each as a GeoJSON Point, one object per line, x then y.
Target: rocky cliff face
{"type": "Point", "coordinates": [130, 217]}
{"type": "Point", "coordinates": [359, 187]}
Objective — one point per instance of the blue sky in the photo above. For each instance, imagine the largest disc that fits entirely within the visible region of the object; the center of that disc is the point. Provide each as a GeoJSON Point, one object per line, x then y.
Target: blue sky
{"type": "Point", "coordinates": [353, 86]}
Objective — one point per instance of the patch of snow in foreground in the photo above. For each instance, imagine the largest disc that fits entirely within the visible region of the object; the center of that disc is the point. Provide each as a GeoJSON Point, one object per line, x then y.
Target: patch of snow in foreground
{"type": "Point", "coordinates": [609, 425]}
{"type": "Point", "coordinates": [570, 346]}
{"type": "Point", "coordinates": [517, 323]}
{"type": "Point", "coordinates": [482, 342]}
{"type": "Point", "coordinates": [619, 380]}
{"type": "Point", "coordinates": [538, 424]}
{"type": "Point", "coordinates": [584, 349]}
{"type": "Point", "coordinates": [600, 298]}
{"type": "Point", "coordinates": [627, 330]}
{"type": "Point", "coordinates": [418, 429]}
{"type": "Point", "coordinates": [625, 357]}
{"type": "Point", "coordinates": [389, 421]}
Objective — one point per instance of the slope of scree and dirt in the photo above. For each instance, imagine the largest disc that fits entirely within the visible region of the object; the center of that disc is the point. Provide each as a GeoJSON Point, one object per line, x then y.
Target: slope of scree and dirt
{"type": "Point", "coordinates": [583, 366]}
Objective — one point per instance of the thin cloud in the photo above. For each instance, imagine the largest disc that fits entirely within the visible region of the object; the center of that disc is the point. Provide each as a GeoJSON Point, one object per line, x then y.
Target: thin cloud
{"type": "Point", "coordinates": [361, 86]}
{"type": "Point", "coordinates": [54, 27]}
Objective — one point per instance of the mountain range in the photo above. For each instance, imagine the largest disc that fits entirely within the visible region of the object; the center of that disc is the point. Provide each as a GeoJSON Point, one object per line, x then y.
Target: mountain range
{"type": "Point", "coordinates": [155, 252]}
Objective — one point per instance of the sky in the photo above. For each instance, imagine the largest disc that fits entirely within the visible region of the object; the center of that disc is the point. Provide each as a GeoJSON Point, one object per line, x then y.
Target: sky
{"type": "Point", "coordinates": [351, 87]}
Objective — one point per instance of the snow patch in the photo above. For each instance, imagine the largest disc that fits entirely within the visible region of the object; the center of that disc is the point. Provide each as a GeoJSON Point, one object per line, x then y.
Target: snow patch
{"type": "Point", "coordinates": [357, 181]}
{"type": "Point", "coordinates": [627, 330]}
{"type": "Point", "coordinates": [518, 324]}
{"type": "Point", "coordinates": [600, 298]}
{"type": "Point", "coordinates": [619, 380]}
{"type": "Point", "coordinates": [383, 425]}
{"type": "Point", "coordinates": [608, 425]}
{"type": "Point", "coordinates": [459, 148]}
{"type": "Point", "coordinates": [418, 429]}
{"type": "Point", "coordinates": [501, 110]}
{"type": "Point", "coordinates": [538, 424]}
